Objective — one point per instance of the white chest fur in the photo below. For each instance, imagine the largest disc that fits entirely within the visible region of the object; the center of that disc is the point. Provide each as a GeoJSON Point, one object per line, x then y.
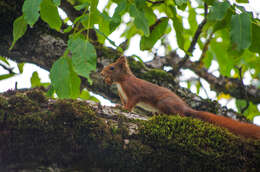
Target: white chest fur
{"type": "Point", "coordinates": [121, 92]}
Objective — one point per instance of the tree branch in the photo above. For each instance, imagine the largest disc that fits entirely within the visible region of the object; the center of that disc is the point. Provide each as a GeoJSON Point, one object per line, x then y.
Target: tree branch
{"type": "Point", "coordinates": [75, 135]}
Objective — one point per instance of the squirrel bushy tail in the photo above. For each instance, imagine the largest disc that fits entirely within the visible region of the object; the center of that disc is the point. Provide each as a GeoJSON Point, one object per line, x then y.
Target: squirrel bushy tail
{"type": "Point", "coordinates": [240, 128]}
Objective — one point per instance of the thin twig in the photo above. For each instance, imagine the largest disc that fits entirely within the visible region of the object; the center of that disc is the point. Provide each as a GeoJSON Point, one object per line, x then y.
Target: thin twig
{"type": "Point", "coordinates": [10, 70]}
{"type": "Point", "coordinates": [205, 48]}
{"type": "Point", "coordinates": [194, 40]}
{"type": "Point", "coordinates": [244, 90]}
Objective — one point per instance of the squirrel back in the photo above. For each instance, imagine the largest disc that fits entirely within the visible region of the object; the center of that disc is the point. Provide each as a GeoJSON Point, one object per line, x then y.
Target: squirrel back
{"type": "Point", "coordinates": [134, 91]}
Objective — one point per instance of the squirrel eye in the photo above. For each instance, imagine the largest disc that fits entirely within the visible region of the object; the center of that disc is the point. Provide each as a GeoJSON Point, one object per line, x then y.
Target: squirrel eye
{"type": "Point", "coordinates": [111, 68]}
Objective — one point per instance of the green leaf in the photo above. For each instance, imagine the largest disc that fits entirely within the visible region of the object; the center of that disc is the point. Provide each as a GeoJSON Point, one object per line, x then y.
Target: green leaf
{"type": "Point", "coordinates": [86, 96]}
{"type": "Point", "coordinates": [157, 31]}
{"type": "Point", "coordinates": [83, 57]}
{"type": "Point", "coordinates": [5, 76]}
{"type": "Point", "coordinates": [208, 59]}
{"type": "Point", "coordinates": [178, 27]}
{"type": "Point", "coordinates": [218, 11]}
{"type": "Point", "coordinates": [3, 59]}
{"type": "Point", "coordinates": [241, 33]}
{"type": "Point", "coordinates": [192, 19]}
{"type": "Point", "coordinates": [225, 23]}
{"type": "Point", "coordinates": [116, 18]}
{"type": "Point", "coordinates": [56, 2]}
{"type": "Point", "coordinates": [225, 63]}
{"type": "Point", "coordinates": [31, 11]}
{"type": "Point", "coordinates": [181, 4]}
{"type": "Point", "coordinates": [50, 92]}
{"type": "Point", "coordinates": [255, 45]}
{"type": "Point", "coordinates": [140, 20]}
{"type": "Point", "coordinates": [20, 67]}
{"type": "Point", "coordinates": [19, 28]}
{"type": "Point", "coordinates": [49, 14]}
{"type": "Point", "coordinates": [81, 6]}
{"type": "Point", "coordinates": [64, 80]}
{"type": "Point", "coordinates": [242, 1]}
{"type": "Point", "coordinates": [35, 80]}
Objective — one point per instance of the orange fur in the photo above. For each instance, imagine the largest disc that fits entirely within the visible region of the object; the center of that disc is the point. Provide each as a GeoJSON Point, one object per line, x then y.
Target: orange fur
{"type": "Point", "coordinates": [134, 91]}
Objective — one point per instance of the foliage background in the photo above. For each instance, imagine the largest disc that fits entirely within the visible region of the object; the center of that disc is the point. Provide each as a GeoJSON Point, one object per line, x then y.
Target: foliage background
{"type": "Point", "coordinates": [224, 33]}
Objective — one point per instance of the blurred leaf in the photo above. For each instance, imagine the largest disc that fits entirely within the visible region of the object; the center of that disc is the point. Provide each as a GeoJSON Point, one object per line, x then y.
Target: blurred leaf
{"type": "Point", "coordinates": [86, 96]}
{"type": "Point", "coordinates": [49, 14]}
{"type": "Point", "coordinates": [31, 11]}
{"type": "Point", "coordinates": [64, 80]}
{"type": "Point", "coordinates": [35, 80]}
{"type": "Point", "coordinates": [208, 59]}
{"type": "Point", "coordinates": [5, 76]}
{"type": "Point", "coordinates": [20, 67]}
{"type": "Point", "coordinates": [56, 2]}
{"type": "Point", "coordinates": [178, 27]}
{"type": "Point", "coordinates": [240, 33]}
{"type": "Point", "coordinates": [3, 59]}
{"type": "Point", "coordinates": [50, 91]}
{"type": "Point", "coordinates": [242, 1]}
{"type": "Point", "coordinates": [68, 29]}
{"type": "Point", "coordinates": [116, 18]}
{"type": "Point", "coordinates": [82, 6]}
{"type": "Point", "coordinates": [156, 32]}
{"type": "Point", "coordinates": [198, 86]}
{"type": "Point", "coordinates": [19, 29]}
{"type": "Point", "coordinates": [83, 56]}
{"type": "Point", "coordinates": [181, 4]}
{"type": "Point", "coordinates": [192, 20]}
{"type": "Point", "coordinates": [225, 23]}
{"type": "Point", "coordinates": [218, 11]}
{"type": "Point", "coordinates": [255, 45]}
{"type": "Point", "coordinates": [225, 62]}
{"type": "Point", "coordinates": [140, 20]}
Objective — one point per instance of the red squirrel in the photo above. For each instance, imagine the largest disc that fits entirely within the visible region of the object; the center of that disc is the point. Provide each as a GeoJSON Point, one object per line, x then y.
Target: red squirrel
{"type": "Point", "coordinates": [134, 91]}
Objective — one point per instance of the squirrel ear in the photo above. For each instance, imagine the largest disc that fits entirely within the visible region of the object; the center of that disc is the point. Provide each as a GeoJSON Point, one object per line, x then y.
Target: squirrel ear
{"type": "Point", "coordinates": [121, 59]}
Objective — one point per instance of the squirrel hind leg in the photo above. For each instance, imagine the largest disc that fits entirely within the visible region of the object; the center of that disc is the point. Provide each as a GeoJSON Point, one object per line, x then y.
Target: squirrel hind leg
{"type": "Point", "coordinates": [171, 107]}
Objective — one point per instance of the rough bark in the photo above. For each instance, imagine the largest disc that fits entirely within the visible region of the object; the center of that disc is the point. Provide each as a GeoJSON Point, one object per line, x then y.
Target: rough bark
{"type": "Point", "coordinates": [38, 133]}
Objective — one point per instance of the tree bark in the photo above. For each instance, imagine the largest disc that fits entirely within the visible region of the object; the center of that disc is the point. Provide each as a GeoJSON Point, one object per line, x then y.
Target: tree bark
{"type": "Point", "coordinates": [38, 133]}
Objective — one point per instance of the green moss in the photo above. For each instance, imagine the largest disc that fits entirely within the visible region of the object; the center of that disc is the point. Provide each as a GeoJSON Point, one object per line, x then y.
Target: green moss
{"type": "Point", "coordinates": [22, 104]}
{"type": "Point", "coordinates": [193, 145]}
{"type": "Point", "coordinates": [69, 134]}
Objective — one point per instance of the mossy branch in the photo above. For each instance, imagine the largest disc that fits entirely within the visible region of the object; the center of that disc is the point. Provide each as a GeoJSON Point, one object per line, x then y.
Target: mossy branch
{"type": "Point", "coordinates": [41, 133]}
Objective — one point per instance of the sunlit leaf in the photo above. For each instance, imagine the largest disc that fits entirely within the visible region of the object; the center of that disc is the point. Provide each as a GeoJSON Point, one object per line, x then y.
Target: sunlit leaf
{"type": "Point", "coordinates": [82, 6]}
{"type": "Point", "coordinates": [156, 32]}
{"type": "Point", "coordinates": [178, 27]}
{"type": "Point", "coordinates": [35, 80]}
{"type": "Point", "coordinates": [86, 96]}
{"type": "Point", "coordinates": [3, 59]}
{"type": "Point", "coordinates": [218, 11]}
{"type": "Point", "coordinates": [56, 2]}
{"type": "Point", "coordinates": [255, 45]}
{"type": "Point", "coordinates": [49, 14]}
{"type": "Point", "coordinates": [83, 56]}
{"type": "Point", "coordinates": [31, 11]}
{"type": "Point", "coordinates": [241, 33]}
{"type": "Point", "coordinates": [140, 21]}
{"type": "Point", "coordinates": [20, 67]}
{"type": "Point", "coordinates": [5, 76]}
{"type": "Point", "coordinates": [19, 29]}
{"type": "Point", "coordinates": [64, 80]}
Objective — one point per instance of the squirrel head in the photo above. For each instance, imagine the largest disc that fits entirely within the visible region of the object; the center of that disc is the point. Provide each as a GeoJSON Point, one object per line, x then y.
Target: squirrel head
{"type": "Point", "coordinates": [116, 71]}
